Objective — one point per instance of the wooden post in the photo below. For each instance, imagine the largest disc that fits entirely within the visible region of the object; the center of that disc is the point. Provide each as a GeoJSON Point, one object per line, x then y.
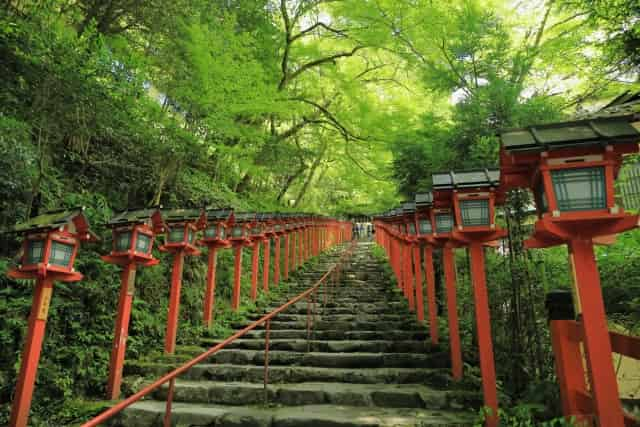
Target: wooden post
{"type": "Point", "coordinates": [604, 385]}
{"type": "Point", "coordinates": [408, 275]}
{"type": "Point", "coordinates": [419, 289]}
{"type": "Point", "coordinates": [286, 256]}
{"type": "Point", "coordinates": [266, 246]}
{"type": "Point", "coordinates": [210, 293]}
{"type": "Point", "coordinates": [569, 368]}
{"type": "Point", "coordinates": [431, 294]}
{"type": "Point", "coordinates": [237, 276]}
{"type": "Point", "coordinates": [31, 353]}
{"type": "Point", "coordinates": [174, 302]}
{"type": "Point", "coordinates": [255, 257]}
{"type": "Point", "coordinates": [452, 312]}
{"type": "Point", "coordinates": [483, 326]}
{"type": "Point", "coordinates": [121, 331]}
{"type": "Point", "coordinates": [276, 261]}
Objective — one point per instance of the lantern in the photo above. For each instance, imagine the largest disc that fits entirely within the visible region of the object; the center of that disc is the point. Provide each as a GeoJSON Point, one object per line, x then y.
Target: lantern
{"type": "Point", "coordinates": [423, 203]}
{"type": "Point", "coordinates": [472, 194]}
{"type": "Point", "coordinates": [571, 168]}
{"type": "Point", "coordinates": [214, 237]}
{"type": "Point", "coordinates": [182, 225]}
{"type": "Point", "coordinates": [133, 234]}
{"type": "Point", "coordinates": [49, 249]}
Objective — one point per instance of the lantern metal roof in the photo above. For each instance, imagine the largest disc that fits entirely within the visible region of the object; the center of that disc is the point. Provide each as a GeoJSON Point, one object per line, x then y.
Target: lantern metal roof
{"type": "Point", "coordinates": [408, 207]}
{"type": "Point", "coordinates": [423, 200]}
{"type": "Point", "coordinates": [134, 216]}
{"type": "Point", "coordinates": [54, 219]}
{"type": "Point", "coordinates": [569, 134]}
{"type": "Point", "coordinates": [181, 215]}
{"type": "Point", "coordinates": [466, 179]}
{"type": "Point", "coordinates": [244, 217]}
{"type": "Point", "coordinates": [219, 214]}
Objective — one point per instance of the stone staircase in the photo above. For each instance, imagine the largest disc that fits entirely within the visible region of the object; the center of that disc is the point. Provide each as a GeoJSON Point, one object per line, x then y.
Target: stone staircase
{"type": "Point", "coordinates": [367, 363]}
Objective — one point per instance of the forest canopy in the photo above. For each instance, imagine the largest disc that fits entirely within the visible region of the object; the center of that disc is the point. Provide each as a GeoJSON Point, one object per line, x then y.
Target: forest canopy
{"type": "Point", "coordinates": [329, 106]}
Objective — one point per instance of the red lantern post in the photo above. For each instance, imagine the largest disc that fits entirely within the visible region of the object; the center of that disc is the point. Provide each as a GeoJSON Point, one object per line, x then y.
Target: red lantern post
{"type": "Point", "coordinates": [49, 250]}
{"type": "Point", "coordinates": [571, 168]}
{"type": "Point", "coordinates": [473, 197]}
{"type": "Point", "coordinates": [424, 203]}
{"type": "Point", "coordinates": [133, 237]}
{"type": "Point", "coordinates": [257, 235]}
{"type": "Point", "coordinates": [182, 225]}
{"type": "Point", "coordinates": [279, 231]}
{"type": "Point", "coordinates": [240, 225]}
{"type": "Point", "coordinates": [214, 238]}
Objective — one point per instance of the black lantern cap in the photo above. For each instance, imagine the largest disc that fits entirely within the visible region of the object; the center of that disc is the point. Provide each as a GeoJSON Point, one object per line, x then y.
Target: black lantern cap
{"type": "Point", "coordinates": [55, 219]}
{"type": "Point", "coordinates": [244, 217]}
{"type": "Point", "coordinates": [424, 200]}
{"type": "Point", "coordinates": [559, 304]}
{"type": "Point", "coordinates": [408, 207]}
{"type": "Point", "coordinates": [466, 179]}
{"type": "Point", "coordinates": [134, 216]}
{"type": "Point", "coordinates": [181, 215]}
{"type": "Point", "coordinates": [222, 214]}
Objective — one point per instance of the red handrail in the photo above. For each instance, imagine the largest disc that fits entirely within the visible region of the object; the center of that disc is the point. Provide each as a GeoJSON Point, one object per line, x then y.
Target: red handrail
{"type": "Point", "coordinates": [178, 371]}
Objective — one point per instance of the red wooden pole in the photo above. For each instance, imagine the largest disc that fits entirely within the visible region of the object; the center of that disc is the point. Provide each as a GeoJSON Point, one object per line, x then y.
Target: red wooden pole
{"type": "Point", "coordinates": [266, 246]}
{"type": "Point", "coordinates": [121, 331]}
{"type": "Point", "coordinates": [174, 303]}
{"type": "Point", "coordinates": [408, 275]}
{"type": "Point", "coordinates": [210, 293]}
{"type": "Point", "coordinates": [237, 276]}
{"type": "Point", "coordinates": [569, 368]}
{"type": "Point", "coordinates": [276, 261]}
{"type": "Point", "coordinates": [604, 385]}
{"type": "Point", "coordinates": [483, 327]}
{"type": "Point", "coordinates": [431, 294]}
{"type": "Point", "coordinates": [255, 258]}
{"type": "Point", "coordinates": [286, 256]}
{"type": "Point", "coordinates": [294, 239]}
{"type": "Point", "coordinates": [31, 353]}
{"type": "Point", "coordinates": [419, 290]}
{"type": "Point", "coordinates": [300, 247]}
{"type": "Point", "coordinates": [452, 312]}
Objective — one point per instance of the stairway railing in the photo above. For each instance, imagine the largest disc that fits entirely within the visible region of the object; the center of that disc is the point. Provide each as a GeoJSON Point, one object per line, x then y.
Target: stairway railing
{"type": "Point", "coordinates": [328, 279]}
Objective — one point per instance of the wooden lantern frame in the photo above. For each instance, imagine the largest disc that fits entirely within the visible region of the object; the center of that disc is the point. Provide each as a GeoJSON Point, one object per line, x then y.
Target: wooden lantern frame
{"type": "Point", "coordinates": [67, 227]}
{"type": "Point", "coordinates": [217, 219]}
{"type": "Point", "coordinates": [529, 156]}
{"type": "Point", "coordinates": [147, 222]}
{"type": "Point", "coordinates": [453, 189]}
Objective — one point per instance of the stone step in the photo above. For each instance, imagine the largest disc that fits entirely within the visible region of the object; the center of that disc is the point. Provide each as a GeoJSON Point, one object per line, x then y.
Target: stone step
{"type": "Point", "coordinates": [339, 335]}
{"type": "Point", "coordinates": [301, 345]}
{"type": "Point", "coordinates": [351, 317]}
{"type": "Point", "coordinates": [322, 325]}
{"type": "Point", "coordinates": [150, 413]}
{"type": "Point", "coordinates": [313, 393]}
{"type": "Point", "coordinates": [352, 305]}
{"type": "Point", "coordinates": [336, 360]}
{"type": "Point", "coordinates": [437, 378]}
{"type": "Point", "coordinates": [352, 309]}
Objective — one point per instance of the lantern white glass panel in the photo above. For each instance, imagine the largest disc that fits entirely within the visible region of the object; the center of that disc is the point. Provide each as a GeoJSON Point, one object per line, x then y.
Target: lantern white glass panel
{"type": "Point", "coordinates": [237, 231]}
{"type": "Point", "coordinates": [444, 223]}
{"type": "Point", "coordinates": [60, 254]}
{"type": "Point", "coordinates": [211, 232]}
{"type": "Point", "coordinates": [541, 198]}
{"type": "Point", "coordinates": [143, 243]}
{"type": "Point", "coordinates": [223, 232]}
{"type": "Point", "coordinates": [176, 235]}
{"type": "Point", "coordinates": [191, 235]}
{"type": "Point", "coordinates": [277, 228]}
{"type": "Point", "coordinates": [35, 252]}
{"type": "Point", "coordinates": [123, 241]}
{"type": "Point", "coordinates": [256, 231]}
{"type": "Point", "coordinates": [580, 189]}
{"type": "Point", "coordinates": [412, 228]}
{"type": "Point", "coordinates": [475, 212]}
{"type": "Point", "coordinates": [425, 226]}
